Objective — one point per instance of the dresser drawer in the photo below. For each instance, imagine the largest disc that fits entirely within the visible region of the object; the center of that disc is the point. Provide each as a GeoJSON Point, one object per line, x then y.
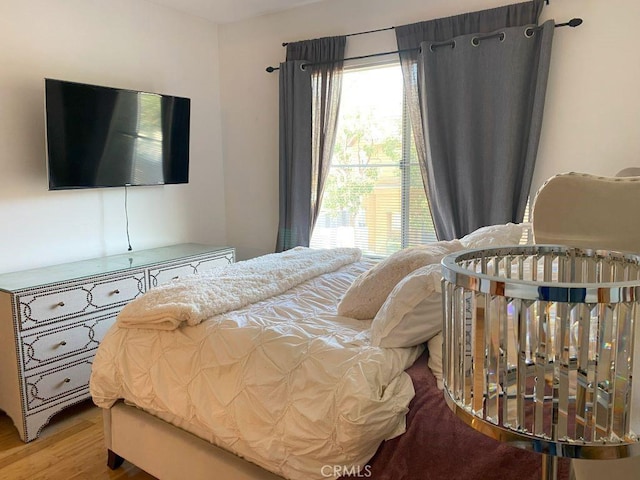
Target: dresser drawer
{"type": "Point", "coordinates": [51, 385]}
{"type": "Point", "coordinates": [212, 263]}
{"type": "Point", "coordinates": [117, 292]}
{"type": "Point", "coordinates": [46, 346]}
{"type": "Point", "coordinates": [51, 305]}
{"type": "Point", "coordinates": [56, 304]}
{"type": "Point", "coordinates": [165, 274]}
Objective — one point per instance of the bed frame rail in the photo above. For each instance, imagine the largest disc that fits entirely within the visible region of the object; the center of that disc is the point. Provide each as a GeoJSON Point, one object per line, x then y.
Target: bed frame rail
{"type": "Point", "coordinates": [168, 452]}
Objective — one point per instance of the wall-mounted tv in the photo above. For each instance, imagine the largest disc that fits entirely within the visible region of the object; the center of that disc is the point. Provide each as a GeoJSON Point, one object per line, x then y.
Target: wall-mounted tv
{"type": "Point", "coordinates": [110, 137]}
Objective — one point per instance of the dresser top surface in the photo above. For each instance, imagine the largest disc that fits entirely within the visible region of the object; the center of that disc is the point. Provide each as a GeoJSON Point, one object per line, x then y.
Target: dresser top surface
{"type": "Point", "coordinates": [103, 265]}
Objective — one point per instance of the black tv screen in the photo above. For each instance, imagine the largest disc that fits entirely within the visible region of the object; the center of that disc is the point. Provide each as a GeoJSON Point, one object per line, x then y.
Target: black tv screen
{"type": "Point", "coordinates": [110, 137]}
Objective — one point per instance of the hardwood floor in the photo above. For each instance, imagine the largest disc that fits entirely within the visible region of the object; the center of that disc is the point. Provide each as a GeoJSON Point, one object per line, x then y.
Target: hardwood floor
{"type": "Point", "coordinates": [70, 447]}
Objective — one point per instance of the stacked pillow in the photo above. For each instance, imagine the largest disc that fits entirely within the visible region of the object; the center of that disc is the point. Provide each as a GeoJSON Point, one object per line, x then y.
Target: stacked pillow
{"type": "Point", "coordinates": [402, 293]}
{"type": "Point", "coordinates": [412, 313]}
{"type": "Point", "coordinates": [496, 235]}
{"type": "Point", "coordinates": [370, 290]}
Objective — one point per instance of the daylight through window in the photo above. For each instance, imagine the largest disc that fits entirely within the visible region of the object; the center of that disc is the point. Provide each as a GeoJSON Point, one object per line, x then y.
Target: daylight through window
{"type": "Point", "coordinates": [374, 198]}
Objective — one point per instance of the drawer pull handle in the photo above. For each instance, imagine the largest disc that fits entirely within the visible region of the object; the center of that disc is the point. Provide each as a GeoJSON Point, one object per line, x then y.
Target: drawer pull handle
{"type": "Point", "coordinates": [67, 380]}
{"type": "Point", "coordinates": [63, 343]}
{"type": "Point", "coordinates": [116, 292]}
{"type": "Point", "coordinates": [176, 277]}
{"type": "Point", "coordinates": [60, 304]}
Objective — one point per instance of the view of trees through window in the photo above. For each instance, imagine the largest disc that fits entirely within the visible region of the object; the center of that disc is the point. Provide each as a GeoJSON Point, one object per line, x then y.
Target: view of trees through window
{"type": "Point", "coordinates": [374, 198]}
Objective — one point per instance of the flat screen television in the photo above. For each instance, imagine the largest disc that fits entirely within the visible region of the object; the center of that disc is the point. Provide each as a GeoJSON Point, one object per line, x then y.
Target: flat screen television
{"type": "Point", "coordinates": [110, 137]}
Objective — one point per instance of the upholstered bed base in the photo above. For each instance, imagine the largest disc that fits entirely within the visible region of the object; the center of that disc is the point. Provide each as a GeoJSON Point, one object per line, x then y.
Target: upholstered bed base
{"type": "Point", "coordinates": [168, 452]}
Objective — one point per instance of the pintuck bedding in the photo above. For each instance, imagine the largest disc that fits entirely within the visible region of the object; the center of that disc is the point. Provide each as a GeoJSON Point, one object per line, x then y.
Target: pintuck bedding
{"type": "Point", "coordinates": [266, 359]}
{"type": "Point", "coordinates": [277, 377]}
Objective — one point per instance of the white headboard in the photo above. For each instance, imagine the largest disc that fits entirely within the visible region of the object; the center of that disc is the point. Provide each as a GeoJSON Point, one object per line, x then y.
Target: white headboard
{"type": "Point", "coordinates": [589, 211]}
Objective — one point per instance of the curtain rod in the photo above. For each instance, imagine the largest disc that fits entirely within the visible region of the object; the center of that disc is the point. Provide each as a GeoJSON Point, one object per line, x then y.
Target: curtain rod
{"type": "Point", "coordinates": [574, 22]}
{"type": "Point", "coordinates": [284, 44]}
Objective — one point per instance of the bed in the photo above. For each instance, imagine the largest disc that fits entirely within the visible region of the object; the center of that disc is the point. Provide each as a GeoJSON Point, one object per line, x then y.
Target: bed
{"type": "Point", "coordinates": [329, 370]}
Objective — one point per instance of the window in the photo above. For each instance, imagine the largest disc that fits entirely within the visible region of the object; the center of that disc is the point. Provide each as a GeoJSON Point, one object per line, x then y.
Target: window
{"type": "Point", "coordinates": [374, 197]}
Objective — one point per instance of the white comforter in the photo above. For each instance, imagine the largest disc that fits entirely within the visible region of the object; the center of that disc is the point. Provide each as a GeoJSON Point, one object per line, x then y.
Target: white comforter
{"type": "Point", "coordinates": [283, 382]}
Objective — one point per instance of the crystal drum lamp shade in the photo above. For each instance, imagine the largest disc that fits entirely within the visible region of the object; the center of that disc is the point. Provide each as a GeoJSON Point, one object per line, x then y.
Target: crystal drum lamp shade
{"type": "Point", "coordinates": [538, 347]}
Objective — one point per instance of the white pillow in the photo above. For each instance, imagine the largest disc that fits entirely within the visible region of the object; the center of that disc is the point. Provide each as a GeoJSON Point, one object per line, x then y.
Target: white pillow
{"type": "Point", "coordinates": [412, 313]}
{"type": "Point", "coordinates": [495, 235]}
{"type": "Point", "coordinates": [369, 291]}
{"type": "Point", "coordinates": [435, 358]}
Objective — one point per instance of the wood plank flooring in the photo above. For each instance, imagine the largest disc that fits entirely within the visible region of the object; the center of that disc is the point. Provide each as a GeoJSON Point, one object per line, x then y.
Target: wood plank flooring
{"type": "Point", "coordinates": [71, 447]}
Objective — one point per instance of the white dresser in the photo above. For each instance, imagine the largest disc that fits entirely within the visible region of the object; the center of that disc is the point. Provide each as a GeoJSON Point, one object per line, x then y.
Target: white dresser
{"type": "Point", "coordinates": [52, 320]}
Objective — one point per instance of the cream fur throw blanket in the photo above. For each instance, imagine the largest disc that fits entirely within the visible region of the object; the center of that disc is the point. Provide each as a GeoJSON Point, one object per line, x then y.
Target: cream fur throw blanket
{"type": "Point", "coordinates": [195, 298]}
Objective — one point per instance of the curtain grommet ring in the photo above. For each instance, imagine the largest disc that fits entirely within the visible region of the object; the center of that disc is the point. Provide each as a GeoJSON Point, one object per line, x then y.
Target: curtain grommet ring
{"type": "Point", "coordinates": [529, 32]}
{"type": "Point", "coordinates": [442, 44]}
{"type": "Point", "coordinates": [475, 41]}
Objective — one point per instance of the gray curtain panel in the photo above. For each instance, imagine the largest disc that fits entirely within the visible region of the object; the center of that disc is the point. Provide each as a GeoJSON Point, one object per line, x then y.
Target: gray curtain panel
{"type": "Point", "coordinates": [309, 103]}
{"type": "Point", "coordinates": [409, 38]}
{"type": "Point", "coordinates": [295, 155]}
{"type": "Point", "coordinates": [483, 110]}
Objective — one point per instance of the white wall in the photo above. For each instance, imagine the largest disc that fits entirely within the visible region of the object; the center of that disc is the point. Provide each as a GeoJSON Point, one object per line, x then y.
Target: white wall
{"type": "Point", "coordinates": [591, 117]}
{"type": "Point", "coordinates": [119, 43]}
{"type": "Point", "coordinates": [590, 120]}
